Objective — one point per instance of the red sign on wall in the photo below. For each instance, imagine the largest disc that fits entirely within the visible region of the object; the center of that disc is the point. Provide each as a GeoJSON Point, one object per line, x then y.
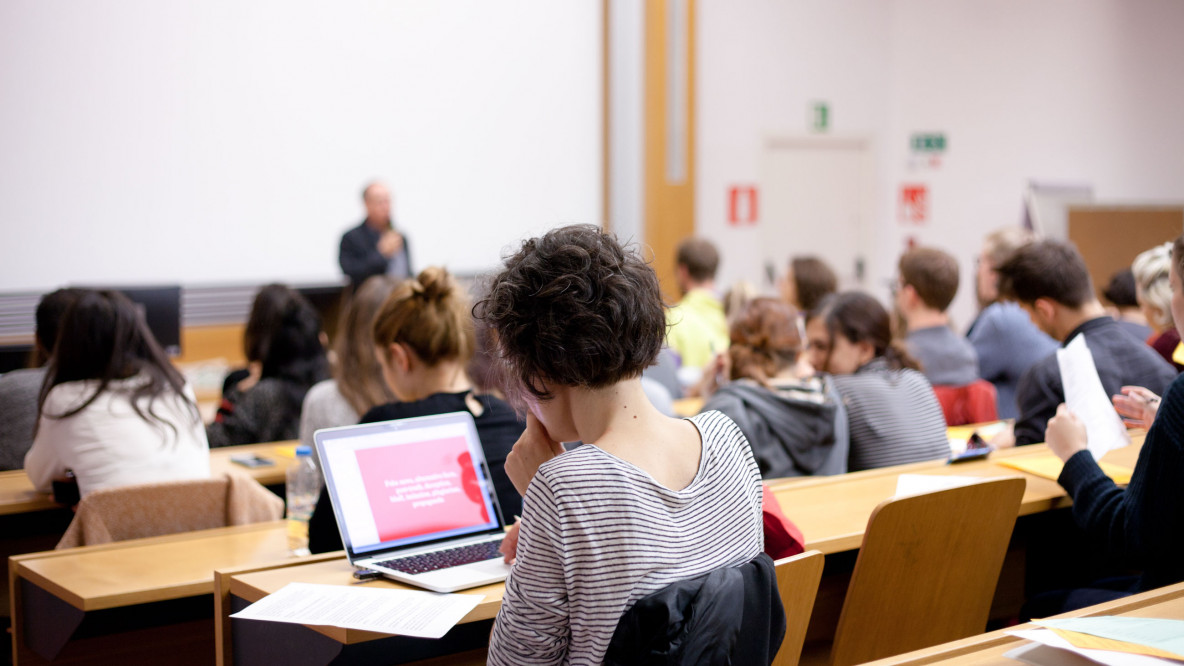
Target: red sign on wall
{"type": "Point", "coordinates": [742, 205]}
{"type": "Point", "coordinates": [914, 204]}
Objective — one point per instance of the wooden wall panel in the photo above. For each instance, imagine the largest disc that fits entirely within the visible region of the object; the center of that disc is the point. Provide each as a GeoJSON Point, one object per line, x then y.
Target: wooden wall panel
{"type": "Point", "coordinates": [1110, 237]}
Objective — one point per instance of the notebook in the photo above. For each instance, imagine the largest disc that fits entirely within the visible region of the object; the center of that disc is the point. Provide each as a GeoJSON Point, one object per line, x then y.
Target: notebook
{"type": "Point", "coordinates": [414, 500]}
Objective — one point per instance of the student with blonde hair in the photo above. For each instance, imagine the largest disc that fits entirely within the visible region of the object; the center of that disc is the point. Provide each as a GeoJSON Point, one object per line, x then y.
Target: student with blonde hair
{"type": "Point", "coordinates": [425, 338]}
{"type": "Point", "coordinates": [357, 385]}
{"type": "Point", "coordinates": [1154, 293]}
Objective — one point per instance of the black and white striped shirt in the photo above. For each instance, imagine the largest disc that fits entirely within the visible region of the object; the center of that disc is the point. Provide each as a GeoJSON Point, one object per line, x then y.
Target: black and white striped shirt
{"type": "Point", "coordinates": [598, 534]}
{"type": "Point", "coordinates": [893, 415]}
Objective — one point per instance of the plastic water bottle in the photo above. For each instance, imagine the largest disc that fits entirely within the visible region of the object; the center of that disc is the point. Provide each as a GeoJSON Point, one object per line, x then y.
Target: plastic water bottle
{"type": "Point", "coordinates": [303, 489]}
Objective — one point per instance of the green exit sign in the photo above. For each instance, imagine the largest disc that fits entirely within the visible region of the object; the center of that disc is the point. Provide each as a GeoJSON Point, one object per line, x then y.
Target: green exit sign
{"type": "Point", "coordinates": [819, 116]}
{"type": "Point", "coordinates": [932, 142]}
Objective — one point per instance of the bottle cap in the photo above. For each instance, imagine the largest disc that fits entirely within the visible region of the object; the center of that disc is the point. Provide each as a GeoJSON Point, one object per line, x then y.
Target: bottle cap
{"type": "Point", "coordinates": [304, 450]}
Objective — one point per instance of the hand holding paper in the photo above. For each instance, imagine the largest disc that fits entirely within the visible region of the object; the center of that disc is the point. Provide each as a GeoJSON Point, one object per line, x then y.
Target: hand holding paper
{"type": "Point", "coordinates": [1086, 398]}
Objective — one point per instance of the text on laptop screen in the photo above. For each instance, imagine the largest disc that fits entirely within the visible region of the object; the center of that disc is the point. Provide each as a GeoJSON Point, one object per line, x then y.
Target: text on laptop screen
{"type": "Point", "coordinates": [400, 487]}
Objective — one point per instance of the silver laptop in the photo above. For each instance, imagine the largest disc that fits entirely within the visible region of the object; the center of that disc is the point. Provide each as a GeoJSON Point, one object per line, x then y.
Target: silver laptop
{"type": "Point", "coordinates": [414, 500]}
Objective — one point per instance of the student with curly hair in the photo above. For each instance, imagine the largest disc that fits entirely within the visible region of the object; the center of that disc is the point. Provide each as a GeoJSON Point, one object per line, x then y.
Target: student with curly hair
{"type": "Point", "coordinates": [795, 423]}
{"type": "Point", "coordinates": [648, 500]}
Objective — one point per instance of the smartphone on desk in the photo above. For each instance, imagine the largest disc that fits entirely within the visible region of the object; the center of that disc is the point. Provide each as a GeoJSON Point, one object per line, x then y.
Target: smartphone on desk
{"type": "Point", "coordinates": [252, 461]}
{"type": "Point", "coordinates": [976, 449]}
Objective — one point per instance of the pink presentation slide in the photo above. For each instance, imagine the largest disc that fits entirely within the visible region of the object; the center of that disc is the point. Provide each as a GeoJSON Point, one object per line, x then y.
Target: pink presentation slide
{"type": "Point", "coordinates": [422, 487]}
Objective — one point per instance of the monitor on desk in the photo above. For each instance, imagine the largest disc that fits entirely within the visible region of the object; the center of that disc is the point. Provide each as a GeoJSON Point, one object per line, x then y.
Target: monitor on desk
{"type": "Point", "coordinates": [161, 306]}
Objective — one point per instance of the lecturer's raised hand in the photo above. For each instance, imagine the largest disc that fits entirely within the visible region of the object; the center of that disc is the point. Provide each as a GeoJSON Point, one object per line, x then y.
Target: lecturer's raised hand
{"type": "Point", "coordinates": [532, 449]}
{"type": "Point", "coordinates": [1137, 406]}
{"type": "Point", "coordinates": [389, 243]}
{"type": "Point", "coordinates": [1066, 434]}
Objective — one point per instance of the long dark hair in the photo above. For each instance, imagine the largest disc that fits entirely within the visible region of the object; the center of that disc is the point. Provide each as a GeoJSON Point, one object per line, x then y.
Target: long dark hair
{"type": "Point", "coordinates": [860, 318]}
{"type": "Point", "coordinates": [102, 336]}
{"type": "Point", "coordinates": [292, 349]}
{"type": "Point", "coordinates": [266, 310]}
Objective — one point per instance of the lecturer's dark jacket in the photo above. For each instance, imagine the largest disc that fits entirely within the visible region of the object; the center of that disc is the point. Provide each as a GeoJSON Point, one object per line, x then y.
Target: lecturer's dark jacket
{"type": "Point", "coordinates": [359, 256]}
{"type": "Point", "coordinates": [727, 616]}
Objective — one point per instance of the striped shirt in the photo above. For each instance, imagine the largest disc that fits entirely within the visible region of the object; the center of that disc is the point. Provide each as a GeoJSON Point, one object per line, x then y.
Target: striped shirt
{"type": "Point", "coordinates": [893, 415]}
{"type": "Point", "coordinates": [599, 533]}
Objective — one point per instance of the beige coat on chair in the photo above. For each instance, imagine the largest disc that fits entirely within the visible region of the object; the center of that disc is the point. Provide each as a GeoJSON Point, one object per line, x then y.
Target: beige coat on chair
{"type": "Point", "coordinates": [156, 509]}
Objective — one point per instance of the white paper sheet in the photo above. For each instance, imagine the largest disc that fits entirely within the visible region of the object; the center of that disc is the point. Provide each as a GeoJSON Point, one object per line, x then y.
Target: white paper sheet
{"type": "Point", "coordinates": [1086, 398]}
{"type": "Point", "coordinates": [1066, 650]}
{"type": "Point", "coordinates": [916, 484]}
{"type": "Point", "coordinates": [404, 612]}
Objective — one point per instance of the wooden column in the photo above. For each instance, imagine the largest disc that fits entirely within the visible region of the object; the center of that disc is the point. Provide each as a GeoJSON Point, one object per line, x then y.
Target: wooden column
{"type": "Point", "coordinates": [669, 132]}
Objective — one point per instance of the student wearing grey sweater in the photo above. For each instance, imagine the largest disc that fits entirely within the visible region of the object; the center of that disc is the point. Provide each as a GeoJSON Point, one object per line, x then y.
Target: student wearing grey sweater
{"type": "Point", "coordinates": [20, 389]}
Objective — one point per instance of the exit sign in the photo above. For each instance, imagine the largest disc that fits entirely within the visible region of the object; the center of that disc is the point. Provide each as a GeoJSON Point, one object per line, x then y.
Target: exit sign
{"type": "Point", "coordinates": [931, 142]}
{"type": "Point", "coordinates": [819, 117]}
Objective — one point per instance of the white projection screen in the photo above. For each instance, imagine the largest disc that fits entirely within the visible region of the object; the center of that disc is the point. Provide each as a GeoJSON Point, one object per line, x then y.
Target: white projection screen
{"type": "Point", "coordinates": [220, 142]}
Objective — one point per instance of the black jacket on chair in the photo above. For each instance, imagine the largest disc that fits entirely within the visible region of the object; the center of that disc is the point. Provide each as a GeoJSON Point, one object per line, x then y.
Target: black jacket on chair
{"type": "Point", "coordinates": [726, 616]}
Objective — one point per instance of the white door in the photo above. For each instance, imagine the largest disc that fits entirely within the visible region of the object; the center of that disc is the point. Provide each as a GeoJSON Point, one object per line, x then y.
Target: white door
{"type": "Point", "coordinates": [816, 200]}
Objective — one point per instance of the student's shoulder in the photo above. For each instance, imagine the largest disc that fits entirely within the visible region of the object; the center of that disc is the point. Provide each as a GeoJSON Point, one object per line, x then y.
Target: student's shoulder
{"type": "Point", "coordinates": [22, 381]}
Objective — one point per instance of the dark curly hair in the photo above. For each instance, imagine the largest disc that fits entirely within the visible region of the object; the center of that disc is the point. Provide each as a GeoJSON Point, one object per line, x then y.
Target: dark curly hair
{"type": "Point", "coordinates": [574, 308]}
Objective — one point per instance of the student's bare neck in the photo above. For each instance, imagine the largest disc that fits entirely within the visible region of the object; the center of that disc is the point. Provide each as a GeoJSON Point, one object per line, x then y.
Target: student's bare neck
{"type": "Point", "coordinates": [926, 318]}
{"type": "Point", "coordinates": [1072, 319]}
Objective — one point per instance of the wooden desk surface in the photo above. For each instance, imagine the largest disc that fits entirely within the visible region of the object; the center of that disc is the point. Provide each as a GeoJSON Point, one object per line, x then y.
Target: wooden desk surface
{"type": "Point", "coordinates": [255, 585]}
{"type": "Point", "coordinates": [155, 569]}
{"type": "Point", "coordinates": [1167, 603]}
{"type": "Point", "coordinates": [18, 496]}
{"type": "Point", "coordinates": [268, 476]}
{"type": "Point", "coordinates": [832, 512]}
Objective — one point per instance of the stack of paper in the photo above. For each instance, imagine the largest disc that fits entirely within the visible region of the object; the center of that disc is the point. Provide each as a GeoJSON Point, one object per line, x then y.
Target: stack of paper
{"type": "Point", "coordinates": [917, 484]}
{"type": "Point", "coordinates": [1050, 466]}
{"type": "Point", "coordinates": [1115, 641]}
{"type": "Point", "coordinates": [405, 612]}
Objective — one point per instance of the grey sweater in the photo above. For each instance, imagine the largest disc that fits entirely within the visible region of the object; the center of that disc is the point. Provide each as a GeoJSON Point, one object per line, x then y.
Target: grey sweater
{"type": "Point", "coordinates": [798, 430]}
{"type": "Point", "coordinates": [18, 414]}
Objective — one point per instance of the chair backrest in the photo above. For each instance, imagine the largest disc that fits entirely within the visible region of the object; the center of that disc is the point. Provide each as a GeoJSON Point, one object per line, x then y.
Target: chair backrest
{"type": "Point", "coordinates": [156, 509]}
{"type": "Point", "coordinates": [797, 583]}
{"type": "Point", "coordinates": [977, 402]}
{"type": "Point", "coordinates": [927, 570]}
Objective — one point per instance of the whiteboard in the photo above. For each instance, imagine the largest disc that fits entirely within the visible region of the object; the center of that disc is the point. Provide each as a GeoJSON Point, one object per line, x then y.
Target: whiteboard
{"type": "Point", "coordinates": [201, 142]}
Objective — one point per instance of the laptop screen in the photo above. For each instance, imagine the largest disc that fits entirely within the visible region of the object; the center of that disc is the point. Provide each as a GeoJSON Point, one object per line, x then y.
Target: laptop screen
{"type": "Point", "coordinates": [407, 482]}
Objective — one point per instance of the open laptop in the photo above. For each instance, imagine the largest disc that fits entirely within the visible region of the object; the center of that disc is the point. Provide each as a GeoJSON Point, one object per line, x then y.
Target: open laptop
{"type": "Point", "coordinates": [414, 500]}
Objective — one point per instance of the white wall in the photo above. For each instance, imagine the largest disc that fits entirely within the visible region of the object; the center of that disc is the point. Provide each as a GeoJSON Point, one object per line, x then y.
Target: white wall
{"type": "Point", "coordinates": [200, 142]}
{"type": "Point", "coordinates": [1047, 90]}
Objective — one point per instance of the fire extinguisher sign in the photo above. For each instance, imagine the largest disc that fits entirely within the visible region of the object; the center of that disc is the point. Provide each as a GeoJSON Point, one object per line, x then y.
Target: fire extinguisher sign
{"type": "Point", "coordinates": [742, 205]}
{"type": "Point", "coordinates": [914, 205]}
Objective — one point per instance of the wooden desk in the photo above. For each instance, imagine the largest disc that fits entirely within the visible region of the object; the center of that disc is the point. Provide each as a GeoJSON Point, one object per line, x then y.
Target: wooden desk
{"type": "Point", "coordinates": [269, 476]}
{"type": "Point", "coordinates": [18, 496]}
{"type": "Point", "coordinates": [54, 591]}
{"type": "Point", "coordinates": [249, 642]}
{"type": "Point", "coordinates": [831, 511]}
{"type": "Point", "coordinates": [1167, 602]}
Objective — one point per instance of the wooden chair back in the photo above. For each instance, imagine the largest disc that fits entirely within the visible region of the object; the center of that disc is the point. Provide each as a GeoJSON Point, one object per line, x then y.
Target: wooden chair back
{"type": "Point", "coordinates": [797, 583]}
{"type": "Point", "coordinates": [927, 570]}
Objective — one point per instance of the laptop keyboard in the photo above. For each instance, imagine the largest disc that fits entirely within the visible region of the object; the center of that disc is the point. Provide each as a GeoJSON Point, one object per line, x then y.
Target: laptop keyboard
{"type": "Point", "coordinates": [443, 559]}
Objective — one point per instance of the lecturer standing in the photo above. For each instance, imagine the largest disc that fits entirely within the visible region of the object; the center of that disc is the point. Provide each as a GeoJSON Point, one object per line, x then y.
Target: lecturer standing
{"type": "Point", "coordinates": [374, 247]}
